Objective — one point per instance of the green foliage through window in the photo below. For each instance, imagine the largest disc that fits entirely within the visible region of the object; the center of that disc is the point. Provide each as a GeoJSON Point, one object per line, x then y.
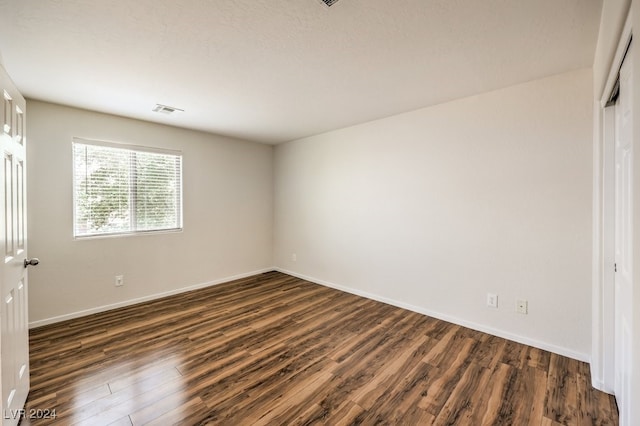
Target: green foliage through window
{"type": "Point", "coordinates": [123, 190]}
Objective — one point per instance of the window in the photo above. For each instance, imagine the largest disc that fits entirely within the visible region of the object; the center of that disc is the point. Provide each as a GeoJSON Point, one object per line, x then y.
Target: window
{"type": "Point", "coordinates": [122, 189]}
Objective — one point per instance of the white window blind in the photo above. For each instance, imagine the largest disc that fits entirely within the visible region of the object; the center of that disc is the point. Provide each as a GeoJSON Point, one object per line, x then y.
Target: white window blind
{"type": "Point", "coordinates": [120, 189]}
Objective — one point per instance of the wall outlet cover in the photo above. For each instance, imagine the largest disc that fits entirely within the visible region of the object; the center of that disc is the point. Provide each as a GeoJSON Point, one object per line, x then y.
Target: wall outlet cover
{"type": "Point", "coordinates": [522, 307]}
{"type": "Point", "coordinates": [492, 300]}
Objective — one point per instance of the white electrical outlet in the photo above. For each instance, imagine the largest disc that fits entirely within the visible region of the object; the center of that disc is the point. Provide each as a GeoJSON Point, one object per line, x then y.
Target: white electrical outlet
{"type": "Point", "coordinates": [119, 280]}
{"type": "Point", "coordinates": [492, 300]}
{"type": "Point", "coordinates": [522, 307]}
{"type": "Point", "coordinates": [294, 257]}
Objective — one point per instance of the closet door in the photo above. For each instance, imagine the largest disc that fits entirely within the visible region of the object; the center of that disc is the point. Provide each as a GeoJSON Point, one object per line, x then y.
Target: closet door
{"type": "Point", "coordinates": [624, 309]}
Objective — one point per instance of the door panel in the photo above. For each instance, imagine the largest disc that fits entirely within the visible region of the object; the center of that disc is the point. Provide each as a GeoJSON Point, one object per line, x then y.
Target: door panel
{"type": "Point", "coordinates": [14, 337]}
{"type": "Point", "coordinates": [623, 246]}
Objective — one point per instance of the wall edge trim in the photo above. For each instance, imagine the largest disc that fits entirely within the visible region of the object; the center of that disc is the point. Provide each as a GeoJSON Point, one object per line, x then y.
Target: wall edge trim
{"type": "Point", "coordinates": [449, 318]}
{"type": "Point", "coordinates": [129, 302]}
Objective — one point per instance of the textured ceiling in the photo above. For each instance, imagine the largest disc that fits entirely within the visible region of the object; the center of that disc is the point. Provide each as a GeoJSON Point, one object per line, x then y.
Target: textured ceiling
{"type": "Point", "coordinates": [276, 70]}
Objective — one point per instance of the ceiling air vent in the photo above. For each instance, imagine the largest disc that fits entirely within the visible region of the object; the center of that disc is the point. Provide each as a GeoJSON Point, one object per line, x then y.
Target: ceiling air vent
{"type": "Point", "coordinates": [329, 3]}
{"type": "Point", "coordinates": [165, 109]}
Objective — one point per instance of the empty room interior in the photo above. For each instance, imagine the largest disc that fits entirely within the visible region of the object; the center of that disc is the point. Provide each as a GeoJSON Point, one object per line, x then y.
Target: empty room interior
{"type": "Point", "coordinates": [320, 212]}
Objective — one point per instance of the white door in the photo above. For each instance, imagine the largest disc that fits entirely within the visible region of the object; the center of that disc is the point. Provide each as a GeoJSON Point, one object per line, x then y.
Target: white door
{"type": "Point", "coordinates": [14, 337]}
{"type": "Point", "coordinates": [623, 246]}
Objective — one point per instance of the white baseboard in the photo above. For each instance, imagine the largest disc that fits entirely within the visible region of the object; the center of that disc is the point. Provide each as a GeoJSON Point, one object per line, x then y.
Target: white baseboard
{"type": "Point", "coordinates": [85, 312]}
{"type": "Point", "coordinates": [601, 386]}
{"type": "Point", "coordinates": [455, 320]}
{"type": "Point", "coordinates": [449, 318]}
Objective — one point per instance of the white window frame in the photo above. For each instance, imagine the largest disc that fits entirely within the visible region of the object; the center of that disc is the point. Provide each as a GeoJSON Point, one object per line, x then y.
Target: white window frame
{"type": "Point", "coordinates": [130, 147]}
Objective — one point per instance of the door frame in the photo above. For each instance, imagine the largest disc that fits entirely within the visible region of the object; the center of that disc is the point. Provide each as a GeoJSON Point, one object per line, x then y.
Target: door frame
{"type": "Point", "coordinates": [603, 295]}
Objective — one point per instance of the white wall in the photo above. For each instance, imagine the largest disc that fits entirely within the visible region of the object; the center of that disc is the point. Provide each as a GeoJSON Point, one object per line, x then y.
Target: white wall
{"type": "Point", "coordinates": [435, 208]}
{"type": "Point", "coordinates": [228, 215]}
{"type": "Point", "coordinates": [635, 326]}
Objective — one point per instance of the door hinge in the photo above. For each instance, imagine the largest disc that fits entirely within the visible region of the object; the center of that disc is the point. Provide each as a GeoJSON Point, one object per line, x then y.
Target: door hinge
{"type": "Point", "coordinates": [615, 267]}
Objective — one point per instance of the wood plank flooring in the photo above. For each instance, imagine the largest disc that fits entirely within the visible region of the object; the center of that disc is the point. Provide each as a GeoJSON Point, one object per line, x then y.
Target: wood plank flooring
{"type": "Point", "coordinates": [273, 349]}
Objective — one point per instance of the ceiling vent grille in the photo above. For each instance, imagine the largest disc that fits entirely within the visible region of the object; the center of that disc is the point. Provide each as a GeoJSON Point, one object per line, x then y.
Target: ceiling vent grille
{"type": "Point", "coordinates": [329, 3]}
{"type": "Point", "coordinates": [165, 109]}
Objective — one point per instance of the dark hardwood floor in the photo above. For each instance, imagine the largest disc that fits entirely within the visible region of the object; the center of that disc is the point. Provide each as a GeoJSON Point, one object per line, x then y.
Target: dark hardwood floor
{"type": "Point", "coordinates": [273, 349]}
